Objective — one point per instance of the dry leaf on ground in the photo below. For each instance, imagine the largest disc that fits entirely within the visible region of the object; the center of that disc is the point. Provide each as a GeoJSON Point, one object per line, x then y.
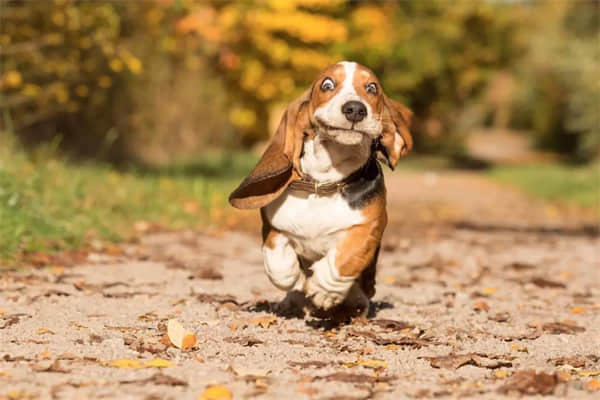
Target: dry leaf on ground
{"type": "Point", "coordinates": [575, 362]}
{"type": "Point", "coordinates": [158, 379]}
{"type": "Point", "coordinates": [566, 327]}
{"type": "Point", "coordinates": [356, 378]}
{"type": "Point", "coordinates": [368, 363]}
{"type": "Point", "coordinates": [385, 341]}
{"type": "Point", "coordinates": [179, 336]}
{"type": "Point", "coordinates": [392, 324]}
{"type": "Point", "coordinates": [531, 383]}
{"type": "Point", "coordinates": [455, 361]}
{"type": "Point", "coordinates": [545, 283]}
{"type": "Point", "coordinates": [308, 364]}
{"type": "Point", "coordinates": [593, 385]}
{"type": "Point", "coordinates": [216, 392]}
{"type": "Point", "coordinates": [126, 363]}
{"type": "Point", "coordinates": [243, 340]}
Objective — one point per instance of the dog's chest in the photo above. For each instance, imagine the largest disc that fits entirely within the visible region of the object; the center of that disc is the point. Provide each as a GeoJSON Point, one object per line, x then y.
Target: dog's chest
{"type": "Point", "coordinates": [313, 223]}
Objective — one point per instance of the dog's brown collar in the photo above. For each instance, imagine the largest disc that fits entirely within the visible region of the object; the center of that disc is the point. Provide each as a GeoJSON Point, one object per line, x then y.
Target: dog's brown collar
{"type": "Point", "coordinates": [309, 185]}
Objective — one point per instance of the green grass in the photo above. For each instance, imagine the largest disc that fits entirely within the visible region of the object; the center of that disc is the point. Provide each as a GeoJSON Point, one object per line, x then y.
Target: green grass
{"type": "Point", "coordinates": [554, 182]}
{"type": "Point", "coordinates": [47, 203]}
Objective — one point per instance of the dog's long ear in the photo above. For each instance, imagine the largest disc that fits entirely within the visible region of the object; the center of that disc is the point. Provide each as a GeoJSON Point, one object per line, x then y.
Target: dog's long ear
{"type": "Point", "coordinates": [396, 140]}
{"type": "Point", "coordinates": [279, 163]}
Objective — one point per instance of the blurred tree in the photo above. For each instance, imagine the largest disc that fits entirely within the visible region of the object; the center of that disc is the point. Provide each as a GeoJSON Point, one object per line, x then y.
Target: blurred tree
{"type": "Point", "coordinates": [559, 77]}
{"type": "Point", "coordinates": [164, 77]}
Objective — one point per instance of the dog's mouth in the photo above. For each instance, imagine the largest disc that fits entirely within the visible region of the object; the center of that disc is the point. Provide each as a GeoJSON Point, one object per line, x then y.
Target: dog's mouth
{"type": "Point", "coordinates": [338, 129]}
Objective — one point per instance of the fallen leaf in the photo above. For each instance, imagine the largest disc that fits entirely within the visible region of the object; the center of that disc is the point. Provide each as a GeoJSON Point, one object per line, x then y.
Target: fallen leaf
{"type": "Point", "coordinates": [17, 394]}
{"type": "Point", "coordinates": [159, 363]}
{"type": "Point", "coordinates": [501, 374]}
{"type": "Point", "coordinates": [481, 305]}
{"type": "Point", "coordinates": [216, 392]}
{"type": "Point", "coordinates": [249, 372]}
{"type": "Point", "coordinates": [356, 378]}
{"type": "Point", "coordinates": [392, 324]}
{"type": "Point", "coordinates": [385, 341]}
{"type": "Point", "coordinates": [45, 355]}
{"type": "Point", "coordinates": [500, 317]}
{"type": "Point", "coordinates": [521, 266]}
{"type": "Point", "coordinates": [179, 336]}
{"type": "Point", "coordinates": [158, 379]}
{"type": "Point", "coordinates": [593, 385]}
{"type": "Point", "coordinates": [308, 364]}
{"type": "Point", "coordinates": [43, 331]}
{"type": "Point", "coordinates": [264, 321]}
{"type": "Point", "coordinates": [489, 290]}
{"type": "Point", "coordinates": [244, 340]}
{"type": "Point", "coordinates": [578, 310]}
{"type": "Point", "coordinates": [545, 283]}
{"type": "Point", "coordinates": [562, 327]}
{"type": "Point", "coordinates": [575, 362]}
{"type": "Point", "coordinates": [531, 383]}
{"type": "Point", "coordinates": [368, 363]}
{"type": "Point", "coordinates": [455, 361]}
{"type": "Point", "coordinates": [516, 347]}
{"type": "Point", "coordinates": [589, 373]}
{"type": "Point", "coordinates": [136, 364]}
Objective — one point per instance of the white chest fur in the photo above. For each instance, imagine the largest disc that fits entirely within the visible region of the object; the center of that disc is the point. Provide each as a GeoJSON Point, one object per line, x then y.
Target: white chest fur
{"type": "Point", "coordinates": [314, 224]}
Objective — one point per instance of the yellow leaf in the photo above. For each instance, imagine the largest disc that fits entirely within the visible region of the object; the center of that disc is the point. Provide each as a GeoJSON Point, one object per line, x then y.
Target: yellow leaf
{"type": "Point", "coordinates": [2, 311]}
{"type": "Point", "coordinates": [5, 373]}
{"type": "Point", "coordinates": [501, 374]}
{"type": "Point", "coordinates": [578, 310]}
{"type": "Point", "coordinates": [43, 331]}
{"type": "Point", "coordinates": [368, 363]}
{"type": "Point", "coordinates": [189, 341]}
{"type": "Point", "coordinates": [589, 373]}
{"type": "Point", "coordinates": [265, 321]}
{"type": "Point", "coordinates": [126, 363]}
{"type": "Point", "coordinates": [490, 290]}
{"type": "Point", "coordinates": [593, 385]}
{"type": "Point", "coordinates": [389, 279]}
{"type": "Point", "coordinates": [217, 392]}
{"type": "Point", "coordinates": [17, 394]}
{"type": "Point", "coordinates": [158, 363]}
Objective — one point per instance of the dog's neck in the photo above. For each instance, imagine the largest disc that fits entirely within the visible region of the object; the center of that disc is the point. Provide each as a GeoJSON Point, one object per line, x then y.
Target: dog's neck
{"type": "Point", "coordinates": [326, 160]}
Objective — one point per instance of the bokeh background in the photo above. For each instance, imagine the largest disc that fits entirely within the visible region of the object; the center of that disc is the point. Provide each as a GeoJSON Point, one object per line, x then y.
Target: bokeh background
{"type": "Point", "coordinates": [130, 93]}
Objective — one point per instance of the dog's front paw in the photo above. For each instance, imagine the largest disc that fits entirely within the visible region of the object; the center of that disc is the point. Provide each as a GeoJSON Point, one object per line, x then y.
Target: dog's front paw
{"type": "Point", "coordinates": [321, 297]}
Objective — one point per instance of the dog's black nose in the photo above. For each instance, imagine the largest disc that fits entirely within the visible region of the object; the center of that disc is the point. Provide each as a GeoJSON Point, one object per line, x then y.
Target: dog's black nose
{"type": "Point", "coordinates": [354, 111]}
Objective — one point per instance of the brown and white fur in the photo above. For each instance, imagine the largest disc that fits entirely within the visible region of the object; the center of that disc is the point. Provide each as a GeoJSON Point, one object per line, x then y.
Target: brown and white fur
{"type": "Point", "coordinates": [327, 245]}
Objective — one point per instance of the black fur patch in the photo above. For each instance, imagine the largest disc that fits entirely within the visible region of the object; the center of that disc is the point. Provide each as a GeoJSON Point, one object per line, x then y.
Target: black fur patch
{"type": "Point", "coordinates": [361, 191]}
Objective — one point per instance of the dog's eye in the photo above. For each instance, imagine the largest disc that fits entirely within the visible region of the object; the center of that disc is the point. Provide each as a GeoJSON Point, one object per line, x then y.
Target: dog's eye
{"type": "Point", "coordinates": [371, 88]}
{"type": "Point", "coordinates": [327, 84]}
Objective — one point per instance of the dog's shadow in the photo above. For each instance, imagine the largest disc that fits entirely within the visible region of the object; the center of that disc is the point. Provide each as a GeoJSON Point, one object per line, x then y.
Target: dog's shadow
{"type": "Point", "coordinates": [296, 305]}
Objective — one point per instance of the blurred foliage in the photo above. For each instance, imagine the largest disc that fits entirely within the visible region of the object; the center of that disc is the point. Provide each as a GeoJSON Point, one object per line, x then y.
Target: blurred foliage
{"type": "Point", "coordinates": [154, 79]}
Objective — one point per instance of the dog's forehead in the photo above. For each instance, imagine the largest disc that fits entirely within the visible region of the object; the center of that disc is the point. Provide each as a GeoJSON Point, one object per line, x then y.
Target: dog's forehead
{"type": "Point", "coordinates": [364, 73]}
{"type": "Point", "coordinates": [335, 71]}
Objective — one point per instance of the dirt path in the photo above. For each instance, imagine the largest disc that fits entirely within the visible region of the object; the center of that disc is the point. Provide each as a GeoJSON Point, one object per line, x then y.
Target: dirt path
{"type": "Point", "coordinates": [499, 283]}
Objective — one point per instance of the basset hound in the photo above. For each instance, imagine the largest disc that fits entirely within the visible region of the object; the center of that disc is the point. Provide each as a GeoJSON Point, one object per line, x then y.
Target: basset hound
{"type": "Point", "coordinates": [320, 188]}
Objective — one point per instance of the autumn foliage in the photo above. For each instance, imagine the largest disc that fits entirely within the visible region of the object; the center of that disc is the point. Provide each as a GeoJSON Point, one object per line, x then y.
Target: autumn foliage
{"type": "Point", "coordinates": [176, 76]}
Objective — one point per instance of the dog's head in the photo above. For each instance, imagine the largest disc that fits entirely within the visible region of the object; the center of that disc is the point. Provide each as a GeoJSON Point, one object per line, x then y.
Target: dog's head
{"type": "Point", "coordinates": [345, 103]}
